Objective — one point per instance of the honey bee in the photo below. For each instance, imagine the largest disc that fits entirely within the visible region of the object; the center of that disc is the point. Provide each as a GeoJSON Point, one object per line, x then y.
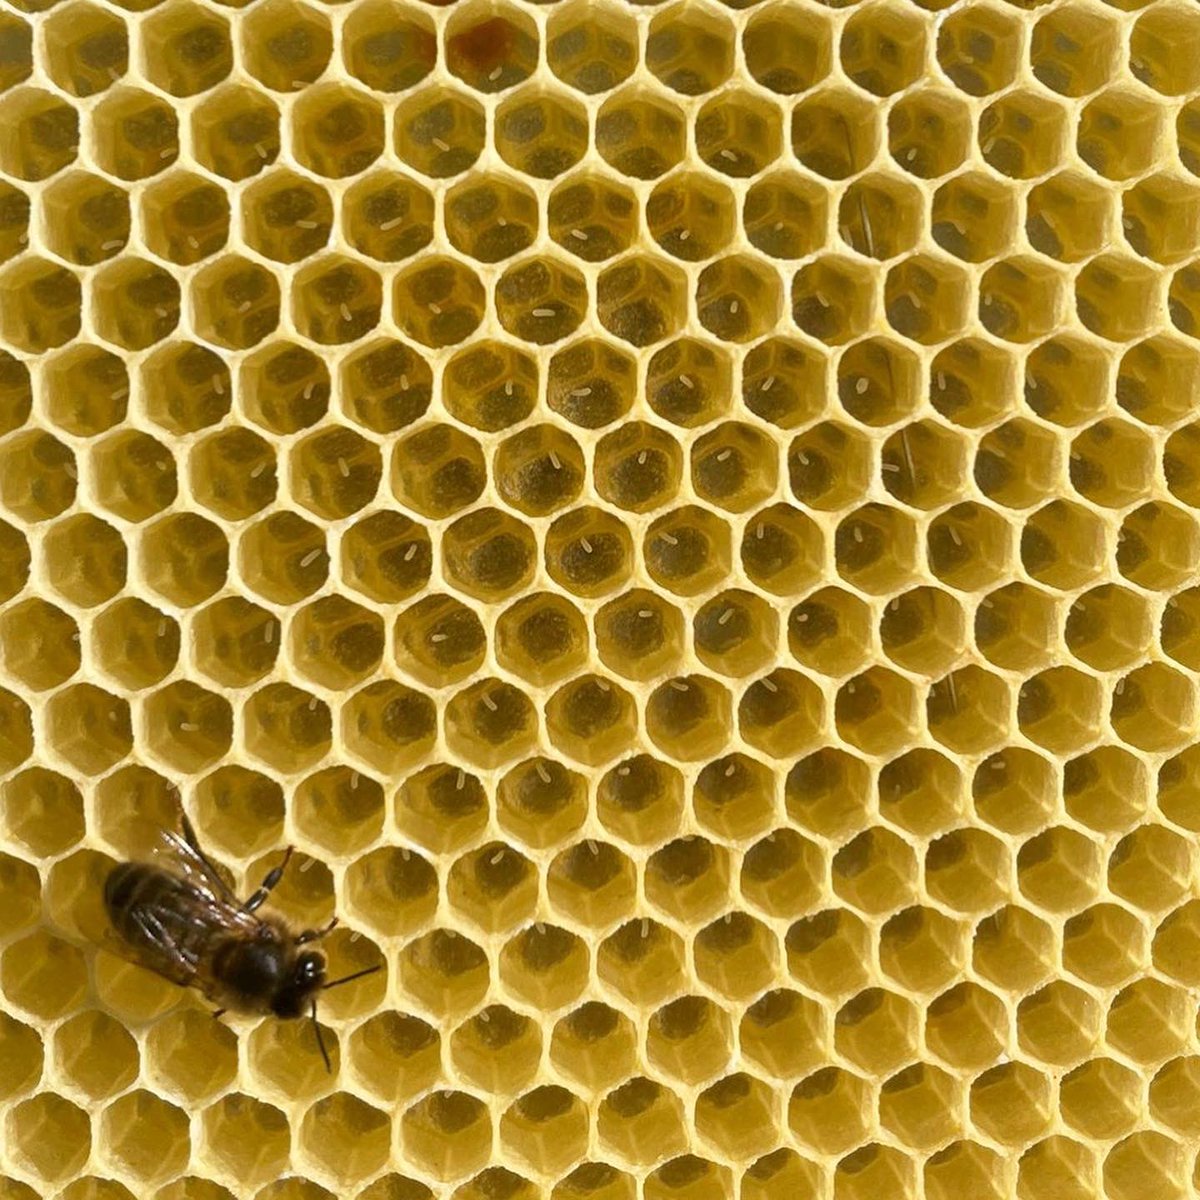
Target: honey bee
{"type": "Point", "coordinates": [179, 918]}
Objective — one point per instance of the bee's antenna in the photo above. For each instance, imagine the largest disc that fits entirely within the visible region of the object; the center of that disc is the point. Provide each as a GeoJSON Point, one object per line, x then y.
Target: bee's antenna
{"type": "Point", "coordinates": [349, 978]}
{"type": "Point", "coordinates": [320, 1038]}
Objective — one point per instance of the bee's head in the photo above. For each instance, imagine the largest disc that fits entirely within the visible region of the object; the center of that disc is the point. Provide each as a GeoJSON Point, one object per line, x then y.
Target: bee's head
{"type": "Point", "coordinates": [294, 996]}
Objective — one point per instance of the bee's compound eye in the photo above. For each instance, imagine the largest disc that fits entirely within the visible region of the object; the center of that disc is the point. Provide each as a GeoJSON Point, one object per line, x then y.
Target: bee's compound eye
{"type": "Point", "coordinates": [310, 967]}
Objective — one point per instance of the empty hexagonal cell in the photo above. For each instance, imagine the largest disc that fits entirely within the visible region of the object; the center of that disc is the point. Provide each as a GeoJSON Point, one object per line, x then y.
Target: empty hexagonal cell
{"type": "Point", "coordinates": [589, 552]}
{"type": "Point", "coordinates": [1017, 464]}
{"type": "Point", "coordinates": [184, 558]}
{"type": "Point", "coordinates": [1023, 134]}
{"type": "Point", "coordinates": [827, 1109]}
{"type": "Point", "coordinates": [186, 47]}
{"type": "Point", "coordinates": [43, 811]}
{"type": "Point", "coordinates": [1074, 50]}
{"type": "Point", "coordinates": [387, 725]}
{"type": "Point", "coordinates": [875, 548]}
{"type": "Point", "coordinates": [1118, 297]}
{"type": "Point", "coordinates": [439, 640]}
{"type": "Point", "coordinates": [135, 134]}
{"type": "Point", "coordinates": [246, 1138]}
{"type": "Point", "coordinates": [489, 554]}
{"type": "Point", "coordinates": [286, 728]}
{"type": "Point", "coordinates": [86, 217]}
{"type": "Point", "coordinates": [541, 133]}
{"type": "Point", "coordinates": [641, 1121]}
{"type": "Point", "coordinates": [335, 642]}
{"type": "Point", "coordinates": [1015, 626]}
{"type": "Point", "coordinates": [595, 1045]}
{"type": "Point", "coordinates": [691, 215]}
{"type": "Point", "coordinates": [339, 130]}
{"type": "Point", "coordinates": [1060, 708]}
{"type": "Point", "coordinates": [1111, 463]}
{"type": "Point", "coordinates": [388, 46]}
{"type": "Point", "coordinates": [835, 132]}
{"type": "Point", "coordinates": [539, 470]}
{"type": "Point", "coordinates": [41, 133]}
{"type": "Point", "coordinates": [43, 306]}
{"type": "Point", "coordinates": [1109, 627]}
{"type": "Point", "coordinates": [346, 1137]}
{"type": "Point", "coordinates": [1151, 375]}
{"type": "Point", "coordinates": [787, 48]}
{"type": "Point", "coordinates": [286, 45]}
{"type": "Point", "coordinates": [881, 50]}
{"type": "Point", "coordinates": [235, 302]}
{"type": "Point", "coordinates": [1113, 132]}
{"type": "Point", "coordinates": [235, 131]}
{"type": "Point", "coordinates": [542, 638]}
{"type": "Point", "coordinates": [641, 133]}
{"type": "Point", "coordinates": [86, 559]}
{"type": "Point", "coordinates": [690, 49]}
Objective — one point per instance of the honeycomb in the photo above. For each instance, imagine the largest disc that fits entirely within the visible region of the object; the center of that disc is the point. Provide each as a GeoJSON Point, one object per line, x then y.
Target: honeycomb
{"type": "Point", "coordinates": [686, 515]}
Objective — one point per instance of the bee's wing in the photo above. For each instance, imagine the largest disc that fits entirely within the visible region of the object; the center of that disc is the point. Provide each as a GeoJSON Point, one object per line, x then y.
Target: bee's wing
{"type": "Point", "coordinates": [170, 928]}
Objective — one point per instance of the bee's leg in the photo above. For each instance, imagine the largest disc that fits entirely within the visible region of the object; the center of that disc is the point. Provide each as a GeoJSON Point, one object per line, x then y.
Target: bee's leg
{"type": "Point", "coordinates": [269, 883]}
{"type": "Point", "coordinates": [218, 1013]}
{"type": "Point", "coordinates": [189, 836]}
{"type": "Point", "coordinates": [313, 935]}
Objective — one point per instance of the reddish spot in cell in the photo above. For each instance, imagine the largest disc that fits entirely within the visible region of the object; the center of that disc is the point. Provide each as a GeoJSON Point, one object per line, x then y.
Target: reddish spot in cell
{"type": "Point", "coordinates": [481, 48]}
